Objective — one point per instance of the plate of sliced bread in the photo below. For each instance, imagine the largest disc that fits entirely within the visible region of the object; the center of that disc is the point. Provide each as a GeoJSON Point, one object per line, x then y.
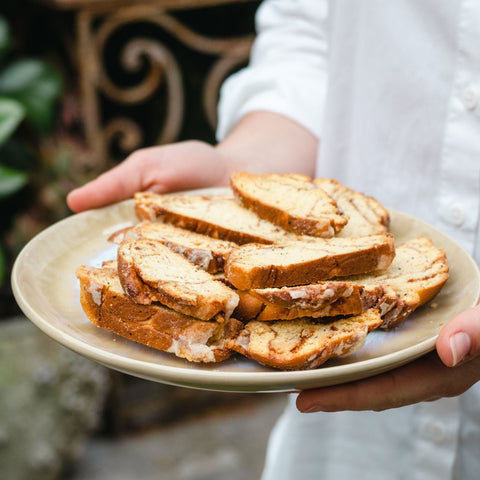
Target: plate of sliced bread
{"type": "Point", "coordinates": [278, 283]}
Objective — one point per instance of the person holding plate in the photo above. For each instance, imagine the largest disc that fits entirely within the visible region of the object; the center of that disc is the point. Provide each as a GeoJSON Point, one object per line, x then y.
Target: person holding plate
{"type": "Point", "coordinates": [383, 97]}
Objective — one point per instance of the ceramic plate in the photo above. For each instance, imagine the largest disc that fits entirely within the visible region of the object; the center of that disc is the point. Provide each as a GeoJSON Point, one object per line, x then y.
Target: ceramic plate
{"type": "Point", "coordinates": [47, 290]}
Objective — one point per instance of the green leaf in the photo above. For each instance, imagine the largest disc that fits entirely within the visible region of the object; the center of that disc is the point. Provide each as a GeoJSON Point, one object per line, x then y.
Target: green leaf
{"type": "Point", "coordinates": [11, 181]}
{"type": "Point", "coordinates": [5, 39]}
{"type": "Point", "coordinates": [21, 74]}
{"type": "Point", "coordinates": [11, 115]}
{"type": "Point", "coordinates": [36, 85]}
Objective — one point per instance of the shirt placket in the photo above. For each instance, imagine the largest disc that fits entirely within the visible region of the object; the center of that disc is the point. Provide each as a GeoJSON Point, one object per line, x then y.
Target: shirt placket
{"type": "Point", "coordinates": [458, 207]}
{"type": "Point", "coordinates": [436, 439]}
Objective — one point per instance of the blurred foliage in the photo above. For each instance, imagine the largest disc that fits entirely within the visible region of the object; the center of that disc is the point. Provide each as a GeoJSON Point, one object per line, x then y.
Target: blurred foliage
{"type": "Point", "coordinates": [29, 92]}
{"type": "Point", "coordinates": [43, 149]}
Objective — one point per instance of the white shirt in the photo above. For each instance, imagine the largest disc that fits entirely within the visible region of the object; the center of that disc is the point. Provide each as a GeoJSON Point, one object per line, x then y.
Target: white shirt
{"type": "Point", "coordinates": [392, 90]}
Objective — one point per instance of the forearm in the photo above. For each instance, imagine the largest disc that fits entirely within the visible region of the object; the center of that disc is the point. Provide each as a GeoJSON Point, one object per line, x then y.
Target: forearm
{"type": "Point", "coordinates": [269, 142]}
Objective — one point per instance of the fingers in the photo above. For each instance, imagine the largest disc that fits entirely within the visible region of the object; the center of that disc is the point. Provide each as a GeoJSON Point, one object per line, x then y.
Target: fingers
{"type": "Point", "coordinates": [117, 184]}
{"type": "Point", "coordinates": [423, 380]}
{"type": "Point", "coordinates": [459, 340]}
{"type": "Point", "coordinates": [428, 378]}
{"type": "Point", "coordinates": [160, 169]}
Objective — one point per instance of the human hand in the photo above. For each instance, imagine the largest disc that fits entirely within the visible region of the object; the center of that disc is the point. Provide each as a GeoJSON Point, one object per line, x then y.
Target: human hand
{"type": "Point", "coordinates": [261, 142]}
{"type": "Point", "coordinates": [178, 166]}
{"type": "Point", "coordinates": [448, 372]}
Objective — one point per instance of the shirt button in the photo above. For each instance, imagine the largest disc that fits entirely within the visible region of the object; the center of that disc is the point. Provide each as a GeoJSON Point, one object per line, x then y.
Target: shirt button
{"type": "Point", "coordinates": [455, 215]}
{"type": "Point", "coordinates": [470, 98]}
{"type": "Point", "coordinates": [435, 432]}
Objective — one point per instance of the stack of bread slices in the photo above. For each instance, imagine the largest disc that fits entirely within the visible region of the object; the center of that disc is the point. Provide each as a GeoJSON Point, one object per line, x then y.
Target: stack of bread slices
{"type": "Point", "coordinates": [287, 271]}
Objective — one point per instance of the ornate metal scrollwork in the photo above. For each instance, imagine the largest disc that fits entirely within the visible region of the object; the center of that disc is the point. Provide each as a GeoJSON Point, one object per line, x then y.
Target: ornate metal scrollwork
{"type": "Point", "coordinates": [155, 68]}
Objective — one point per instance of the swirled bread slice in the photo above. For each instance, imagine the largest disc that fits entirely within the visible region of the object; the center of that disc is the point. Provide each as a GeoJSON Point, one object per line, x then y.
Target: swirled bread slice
{"type": "Point", "coordinates": [206, 252]}
{"type": "Point", "coordinates": [291, 201]}
{"type": "Point", "coordinates": [307, 261]}
{"type": "Point", "coordinates": [417, 273]}
{"type": "Point", "coordinates": [415, 276]}
{"type": "Point", "coordinates": [304, 343]}
{"type": "Point", "coordinates": [324, 299]}
{"type": "Point", "coordinates": [218, 216]}
{"type": "Point", "coordinates": [151, 272]}
{"type": "Point", "coordinates": [107, 306]}
{"type": "Point", "coordinates": [366, 216]}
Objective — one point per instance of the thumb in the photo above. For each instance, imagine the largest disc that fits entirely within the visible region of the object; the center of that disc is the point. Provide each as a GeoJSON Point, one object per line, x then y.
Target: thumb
{"type": "Point", "coordinates": [459, 340]}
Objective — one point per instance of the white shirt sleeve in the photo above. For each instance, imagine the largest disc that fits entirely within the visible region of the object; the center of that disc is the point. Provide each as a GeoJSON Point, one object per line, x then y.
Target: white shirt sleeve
{"type": "Point", "coordinates": [287, 70]}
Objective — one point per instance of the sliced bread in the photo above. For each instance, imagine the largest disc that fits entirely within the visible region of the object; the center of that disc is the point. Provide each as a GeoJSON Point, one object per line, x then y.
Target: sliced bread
{"type": "Point", "coordinates": [366, 216]}
{"type": "Point", "coordinates": [218, 216]}
{"type": "Point", "coordinates": [151, 272]}
{"type": "Point", "coordinates": [324, 299]}
{"type": "Point", "coordinates": [417, 273]}
{"type": "Point", "coordinates": [291, 201]}
{"type": "Point", "coordinates": [307, 261]}
{"type": "Point", "coordinates": [107, 306]}
{"type": "Point", "coordinates": [206, 252]}
{"type": "Point", "coordinates": [304, 343]}
{"type": "Point", "coordinates": [415, 276]}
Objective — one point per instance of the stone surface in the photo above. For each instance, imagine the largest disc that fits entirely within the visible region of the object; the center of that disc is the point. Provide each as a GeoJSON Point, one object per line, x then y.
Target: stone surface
{"type": "Point", "coordinates": [50, 402]}
{"type": "Point", "coordinates": [228, 443]}
{"type": "Point", "coordinates": [53, 424]}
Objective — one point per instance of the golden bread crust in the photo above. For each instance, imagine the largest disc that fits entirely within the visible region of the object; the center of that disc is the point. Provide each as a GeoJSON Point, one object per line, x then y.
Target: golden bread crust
{"type": "Point", "coordinates": [154, 325]}
{"type": "Point", "coordinates": [304, 343]}
{"type": "Point", "coordinates": [324, 299]}
{"type": "Point", "coordinates": [217, 216]}
{"type": "Point", "coordinates": [205, 252]}
{"type": "Point", "coordinates": [290, 201]}
{"type": "Point", "coordinates": [304, 299]}
{"type": "Point", "coordinates": [151, 272]}
{"type": "Point", "coordinates": [416, 274]}
{"type": "Point", "coordinates": [304, 261]}
{"type": "Point", "coordinates": [366, 215]}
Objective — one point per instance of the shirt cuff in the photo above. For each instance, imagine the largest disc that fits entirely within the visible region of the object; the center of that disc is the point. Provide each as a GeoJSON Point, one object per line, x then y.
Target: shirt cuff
{"type": "Point", "coordinates": [253, 89]}
{"type": "Point", "coordinates": [287, 73]}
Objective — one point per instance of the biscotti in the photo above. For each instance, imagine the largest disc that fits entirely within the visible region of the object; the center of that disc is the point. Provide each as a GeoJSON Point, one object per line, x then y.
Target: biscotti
{"type": "Point", "coordinates": [415, 276]}
{"type": "Point", "coordinates": [417, 273]}
{"type": "Point", "coordinates": [206, 252]}
{"type": "Point", "coordinates": [303, 262]}
{"type": "Point", "coordinates": [151, 272]}
{"type": "Point", "coordinates": [289, 297]}
{"type": "Point", "coordinates": [324, 299]}
{"type": "Point", "coordinates": [218, 216]}
{"type": "Point", "coordinates": [107, 306]}
{"type": "Point", "coordinates": [365, 214]}
{"type": "Point", "coordinates": [304, 343]}
{"type": "Point", "coordinates": [291, 201]}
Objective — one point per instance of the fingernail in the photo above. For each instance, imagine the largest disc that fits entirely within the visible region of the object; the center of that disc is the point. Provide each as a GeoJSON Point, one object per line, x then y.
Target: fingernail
{"type": "Point", "coordinates": [460, 345]}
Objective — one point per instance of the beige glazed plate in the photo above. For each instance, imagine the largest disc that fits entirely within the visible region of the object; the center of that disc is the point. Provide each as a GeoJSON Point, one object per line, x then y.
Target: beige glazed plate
{"type": "Point", "coordinates": [47, 291]}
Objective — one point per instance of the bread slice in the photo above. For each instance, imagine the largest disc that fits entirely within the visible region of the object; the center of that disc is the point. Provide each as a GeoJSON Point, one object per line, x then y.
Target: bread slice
{"type": "Point", "coordinates": [290, 201]}
{"type": "Point", "coordinates": [107, 306]}
{"type": "Point", "coordinates": [307, 261]}
{"type": "Point", "coordinates": [207, 253]}
{"type": "Point", "coordinates": [218, 216]}
{"type": "Point", "coordinates": [304, 343]}
{"type": "Point", "coordinates": [417, 273]}
{"type": "Point", "coordinates": [151, 272]}
{"type": "Point", "coordinates": [415, 276]}
{"type": "Point", "coordinates": [324, 299]}
{"type": "Point", "coordinates": [366, 216]}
